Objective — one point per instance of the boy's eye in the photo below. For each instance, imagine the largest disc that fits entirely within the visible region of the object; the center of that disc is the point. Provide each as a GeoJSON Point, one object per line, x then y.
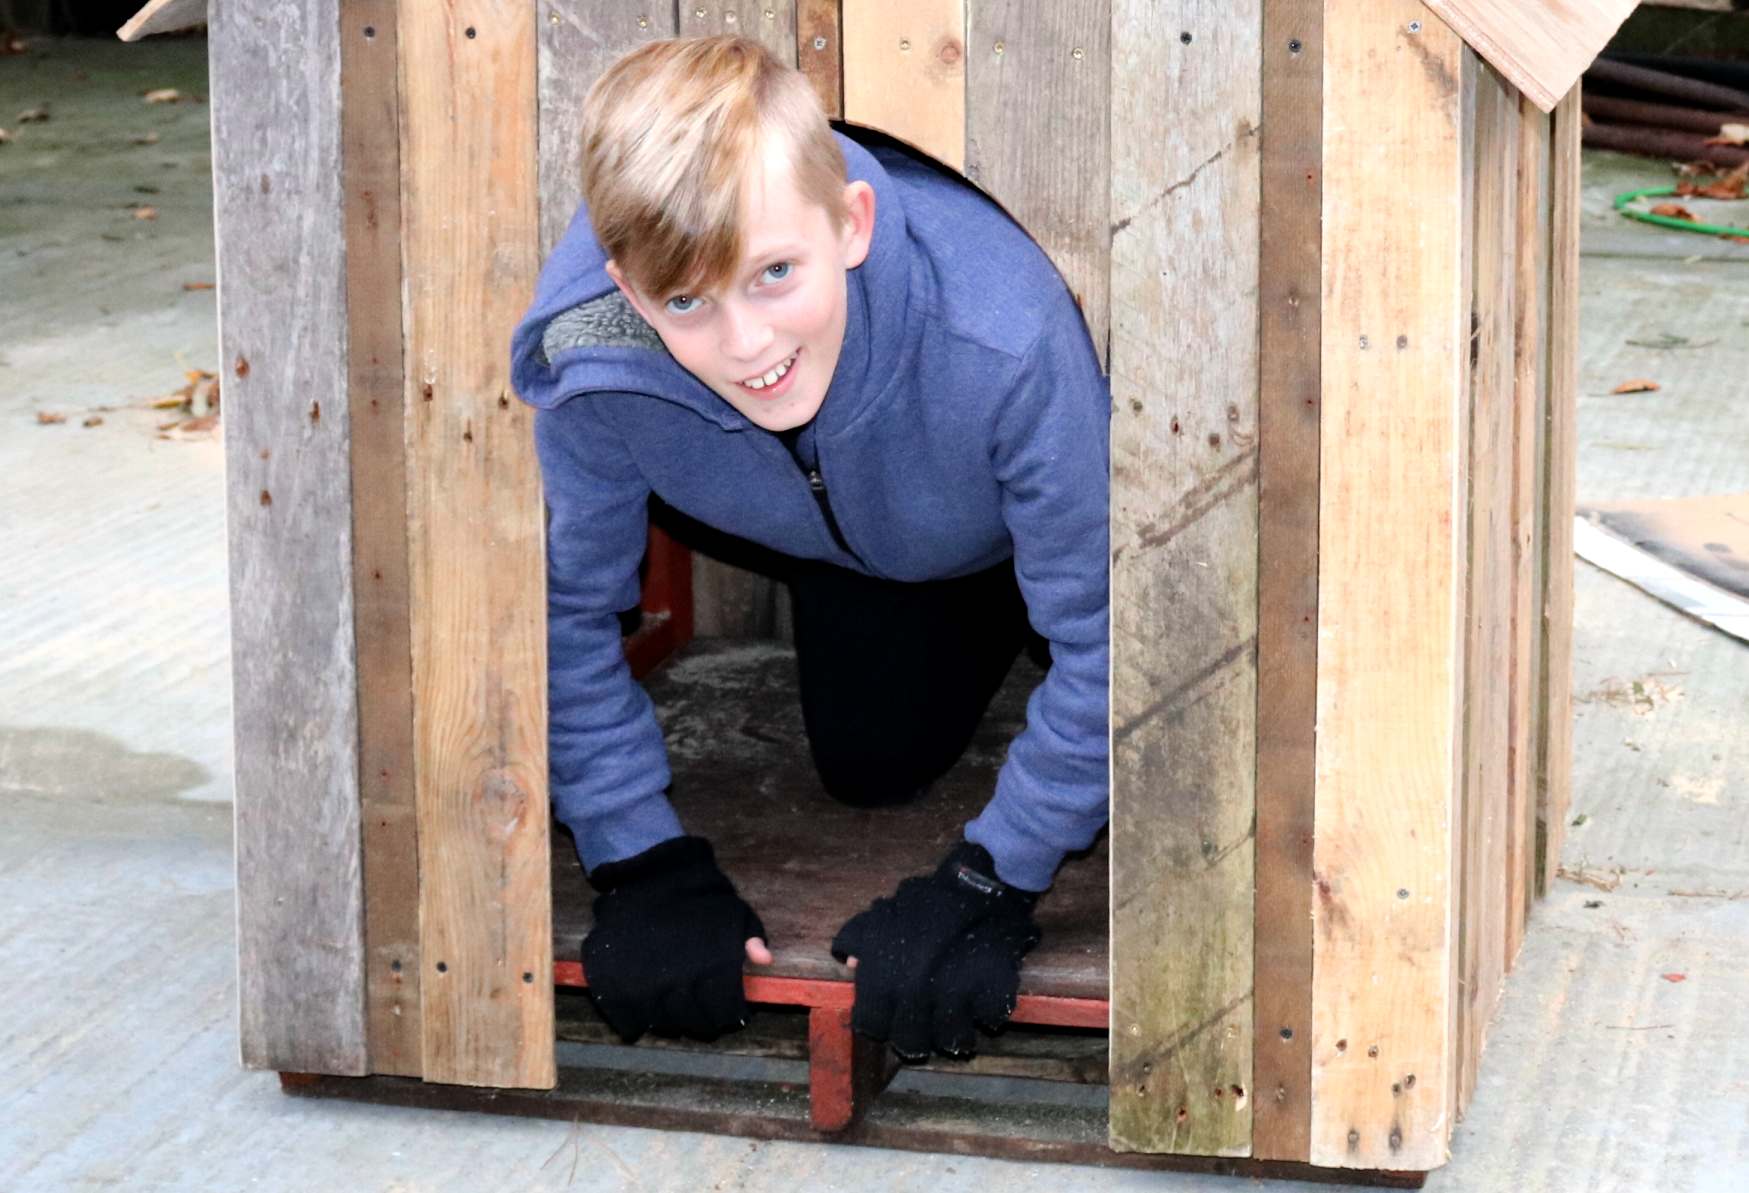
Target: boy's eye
{"type": "Point", "coordinates": [783, 269]}
{"type": "Point", "coordinates": [685, 303]}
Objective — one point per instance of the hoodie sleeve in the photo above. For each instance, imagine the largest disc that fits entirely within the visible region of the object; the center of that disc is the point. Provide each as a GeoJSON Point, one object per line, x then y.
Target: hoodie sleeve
{"type": "Point", "coordinates": [1052, 459]}
{"type": "Point", "coordinates": [609, 769]}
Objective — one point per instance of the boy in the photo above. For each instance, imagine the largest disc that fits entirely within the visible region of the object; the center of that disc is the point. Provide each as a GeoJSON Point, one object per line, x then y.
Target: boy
{"type": "Point", "coordinates": [860, 362]}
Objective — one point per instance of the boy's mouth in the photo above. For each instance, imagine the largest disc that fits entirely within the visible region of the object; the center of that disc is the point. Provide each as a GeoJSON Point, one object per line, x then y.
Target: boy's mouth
{"type": "Point", "coordinates": [774, 382]}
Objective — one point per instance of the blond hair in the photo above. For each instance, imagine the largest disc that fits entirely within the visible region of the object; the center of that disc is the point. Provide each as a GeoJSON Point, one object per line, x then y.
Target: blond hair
{"type": "Point", "coordinates": [672, 131]}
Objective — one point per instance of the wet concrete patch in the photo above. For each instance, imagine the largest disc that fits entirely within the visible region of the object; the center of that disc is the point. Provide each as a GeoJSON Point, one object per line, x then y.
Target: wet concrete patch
{"type": "Point", "coordinates": [90, 766]}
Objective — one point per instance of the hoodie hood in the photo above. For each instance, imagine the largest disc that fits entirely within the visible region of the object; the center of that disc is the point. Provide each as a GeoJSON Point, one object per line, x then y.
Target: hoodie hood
{"type": "Point", "coordinates": [582, 336]}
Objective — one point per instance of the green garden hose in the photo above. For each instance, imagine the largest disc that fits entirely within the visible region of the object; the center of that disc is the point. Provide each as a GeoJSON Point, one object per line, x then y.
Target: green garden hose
{"type": "Point", "coordinates": [1670, 221]}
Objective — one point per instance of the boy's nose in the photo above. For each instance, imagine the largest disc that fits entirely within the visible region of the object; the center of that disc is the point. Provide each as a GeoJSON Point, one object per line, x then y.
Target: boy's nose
{"type": "Point", "coordinates": [745, 338]}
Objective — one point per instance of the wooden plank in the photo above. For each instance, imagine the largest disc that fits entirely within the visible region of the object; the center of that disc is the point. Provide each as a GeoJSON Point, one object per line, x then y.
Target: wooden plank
{"type": "Point", "coordinates": [1184, 371]}
{"type": "Point", "coordinates": [370, 113]}
{"type": "Point", "coordinates": [1561, 432]}
{"type": "Point", "coordinates": [279, 214]}
{"type": "Point", "coordinates": [771, 23]}
{"type": "Point", "coordinates": [1390, 541]}
{"type": "Point", "coordinates": [578, 40]}
{"type": "Point", "coordinates": [475, 544]}
{"type": "Point", "coordinates": [1541, 46]}
{"type": "Point", "coordinates": [905, 72]}
{"type": "Point", "coordinates": [1530, 259]}
{"type": "Point", "coordinates": [1488, 618]}
{"type": "Point", "coordinates": [163, 16]}
{"type": "Point", "coordinates": [1289, 288]}
{"type": "Point", "coordinates": [1037, 105]}
{"type": "Point", "coordinates": [820, 52]}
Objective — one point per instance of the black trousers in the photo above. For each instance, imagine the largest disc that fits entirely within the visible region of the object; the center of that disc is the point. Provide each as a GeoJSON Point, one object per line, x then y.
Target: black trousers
{"type": "Point", "coordinates": [896, 676]}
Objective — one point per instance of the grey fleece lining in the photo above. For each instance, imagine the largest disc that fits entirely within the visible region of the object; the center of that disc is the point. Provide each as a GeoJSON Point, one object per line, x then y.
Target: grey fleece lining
{"type": "Point", "coordinates": [605, 322]}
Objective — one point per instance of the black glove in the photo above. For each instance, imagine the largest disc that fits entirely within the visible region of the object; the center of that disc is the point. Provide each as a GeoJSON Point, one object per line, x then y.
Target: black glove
{"type": "Point", "coordinates": [669, 938]}
{"type": "Point", "coordinates": [941, 953]}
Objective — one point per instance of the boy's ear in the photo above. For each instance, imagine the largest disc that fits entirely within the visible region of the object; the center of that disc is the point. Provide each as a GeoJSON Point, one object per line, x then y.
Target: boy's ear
{"type": "Point", "coordinates": [625, 288]}
{"type": "Point", "coordinates": [859, 210]}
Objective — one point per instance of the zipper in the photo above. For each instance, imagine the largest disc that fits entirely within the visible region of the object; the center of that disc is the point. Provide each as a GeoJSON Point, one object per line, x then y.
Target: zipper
{"type": "Point", "coordinates": [817, 486]}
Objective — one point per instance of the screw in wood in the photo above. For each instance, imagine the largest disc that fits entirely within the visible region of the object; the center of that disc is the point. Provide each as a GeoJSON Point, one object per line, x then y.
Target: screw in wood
{"type": "Point", "coordinates": [1185, 37]}
{"type": "Point", "coordinates": [1001, 48]}
{"type": "Point", "coordinates": [1076, 54]}
{"type": "Point", "coordinates": [442, 968]}
{"type": "Point", "coordinates": [1294, 45]}
{"type": "Point", "coordinates": [904, 45]}
{"type": "Point", "coordinates": [1414, 26]}
{"type": "Point", "coordinates": [819, 43]}
{"type": "Point", "coordinates": [471, 33]}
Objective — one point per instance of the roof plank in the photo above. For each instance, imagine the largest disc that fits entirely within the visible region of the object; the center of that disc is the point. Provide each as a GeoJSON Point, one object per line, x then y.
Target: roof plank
{"type": "Point", "coordinates": [1541, 46]}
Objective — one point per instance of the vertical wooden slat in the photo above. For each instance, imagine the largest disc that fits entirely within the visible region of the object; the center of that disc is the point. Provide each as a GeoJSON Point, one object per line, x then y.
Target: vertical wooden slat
{"type": "Point", "coordinates": [905, 72]}
{"type": "Point", "coordinates": [1488, 621]}
{"type": "Point", "coordinates": [1531, 262]}
{"type": "Point", "coordinates": [820, 51]}
{"type": "Point", "coordinates": [1389, 593]}
{"type": "Point", "coordinates": [578, 40]}
{"type": "Point", "coordinates": [771, 23]}
{"type": "Point", "coordinates": [1289, 289]}
{"type": "Point", "coordinates": [372, 153]}
{"type": "Point", "coordinates": [275, 73]}
{"type": "Point", "coordinates": [1037, 114]}
{"type": "Point", "coordinates": [1555, 752]}
{"type": "Point", "coordinates": [470, 251]}
{"type": "Point", "coordinates": [1184, 203]}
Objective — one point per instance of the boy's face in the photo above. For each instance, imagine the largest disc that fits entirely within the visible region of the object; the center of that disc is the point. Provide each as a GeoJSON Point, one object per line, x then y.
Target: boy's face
{"type": "Point", "coordinates": [785, 311]}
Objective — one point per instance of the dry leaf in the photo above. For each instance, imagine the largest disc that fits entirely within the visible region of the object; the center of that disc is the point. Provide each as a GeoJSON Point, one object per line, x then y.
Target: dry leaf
{"type": "Point", "coordinates": [4, 136]}
{"type": "Point", "coordinates": [13, 44]}
{"type": "Point", "coordinates": [144, 212]}
{"type": "Point", "coordinates": [96, 420]}
{"type": "Point", "coordinates": [48, 419]}
{"type": "Point", "coordinates": [1674, 211]}
{"type": "Point", "coordinates": [1635, 387]}
{"type": "Point", "coordinates": [1674, 977]}
{"type": "Point", "coordinates": [1731, 134]}
{"type": "Point", "coordinates": [164, 95]}
{"type": "Point", "coordinates": [197, 285]}
{"type": "Point", "coordinates": [33, 116]}
{"type": "Point", "coordinates": [146, 139]}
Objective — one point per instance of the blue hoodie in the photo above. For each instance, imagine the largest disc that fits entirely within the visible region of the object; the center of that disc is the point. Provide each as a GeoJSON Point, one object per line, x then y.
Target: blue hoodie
{"type": "Point", "coordinates": [967, 420]}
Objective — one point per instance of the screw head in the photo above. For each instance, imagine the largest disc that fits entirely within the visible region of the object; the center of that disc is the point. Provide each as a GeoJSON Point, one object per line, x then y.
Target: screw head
{"type": "Point", "coordinates": [819, 43]}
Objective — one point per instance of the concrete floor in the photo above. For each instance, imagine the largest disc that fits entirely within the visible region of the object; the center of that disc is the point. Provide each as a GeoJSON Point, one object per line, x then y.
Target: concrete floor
{"type": "Point", "coordinates": [118, 1039]}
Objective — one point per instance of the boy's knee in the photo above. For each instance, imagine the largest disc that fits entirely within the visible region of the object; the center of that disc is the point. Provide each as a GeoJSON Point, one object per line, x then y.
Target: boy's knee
{"type": "Point", "coordinates": [863, 782]}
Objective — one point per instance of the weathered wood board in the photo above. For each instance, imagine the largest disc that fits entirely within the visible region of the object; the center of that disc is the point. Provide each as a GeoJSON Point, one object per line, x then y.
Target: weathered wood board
{"type": "Point", "coordinates": [279, 213]}
{"type": "Point", "coordinates": [1561, 435]}
{"type": "Point", "coordinates": [1492, 230]}
{"type": "Point", "coordinates": [1184, 371]}
{"type": "Point", "coordinates": [1289, 292]}
{"type": "Point", "coordinates": [905, 72]}
{"type": "Point", "coordinates": [1390, 588]}
{"type": "Point", "coordinates": [771, 23]}
{"type": "Point", "coordinates": [470, 241]}
{"type": "Point", "coordinates": [371, 154]}
{"type": "Point", "coordinates": [1037, 104]}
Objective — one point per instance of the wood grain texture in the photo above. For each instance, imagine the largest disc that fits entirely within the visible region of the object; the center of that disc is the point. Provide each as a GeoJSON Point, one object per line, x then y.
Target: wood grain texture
{"type": "Point", "coordinates": [1389, 589]}
{"type": "Point", "coordinates": [1561, 434]}
{"type": "Point", "coordinates": [905, 72]}
{"type": "Point", "coordinates": [475, 544]}
{"type": "Point", "coordinates": [820, 51]}
{"type": "Point", "coordinates": [1541, 46]}
{"type": "Point", "coordinates": [1184, 372]}
{"type": "Point", "coordinates": [1289, 289]}
{"type": "Point", "coordinates": [771, 23]}
{"type": "Point", "coordinates": [279, 214]}
{"type": "Point", "coordinates": [163, 16]}
{"type": "Point", "coordinates": [1481, 909]}
{"type": "Point", "coordinates": [1038, 105]}
{"type": "Point", "coordinates": [578, 40]}
{"type": "Point", "coordinates": [1530, 258]}
{"type": "Point", "coordinates": [381, 613]}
